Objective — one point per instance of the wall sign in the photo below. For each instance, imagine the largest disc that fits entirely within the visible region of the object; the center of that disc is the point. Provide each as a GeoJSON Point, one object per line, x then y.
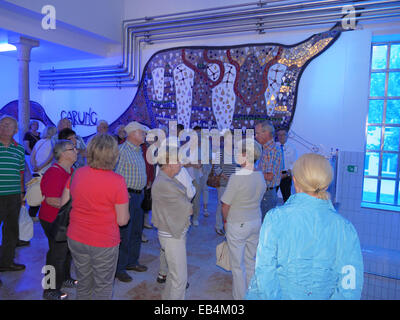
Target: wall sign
{"type": "Point", "coordinates": [80, 118]}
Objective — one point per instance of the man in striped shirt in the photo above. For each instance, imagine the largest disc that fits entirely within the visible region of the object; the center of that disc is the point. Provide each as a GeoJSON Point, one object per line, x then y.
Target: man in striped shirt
{"type": "Point", "coordinates": [269, 164]}
{"type": "Point", "coordinates": [12, 166]}
{"type": "Point", "coordinates": [132, 167]}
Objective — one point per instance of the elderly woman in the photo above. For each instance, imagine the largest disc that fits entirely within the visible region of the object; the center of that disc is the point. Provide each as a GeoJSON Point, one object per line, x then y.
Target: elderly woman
{"type": "Point", "coordinates": [42, 158]}
{"type": "Point", "coordinates": [42, 152]}
{"type": "Point", "coordinates": [307, 251]}
{"type": "Point", "coordinates": [171, 211]}
{"type": "Point", "coordinates": [52, 186]}
{"type": "Point", "coordinates": [242, 216]}
{"type": "Point", "coordinates": [99, 206]}
{"type": "Point", "coordinates": [31, 137]}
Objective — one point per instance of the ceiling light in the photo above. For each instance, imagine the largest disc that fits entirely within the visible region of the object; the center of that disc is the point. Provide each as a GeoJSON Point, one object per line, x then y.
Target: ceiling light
{"type": "Point", "coordinates": [4, 47]}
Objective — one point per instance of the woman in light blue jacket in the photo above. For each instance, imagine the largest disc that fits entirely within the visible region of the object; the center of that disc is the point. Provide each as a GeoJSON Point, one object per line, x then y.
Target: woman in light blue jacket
{"type": "Point", "coordinates": [306, 249]}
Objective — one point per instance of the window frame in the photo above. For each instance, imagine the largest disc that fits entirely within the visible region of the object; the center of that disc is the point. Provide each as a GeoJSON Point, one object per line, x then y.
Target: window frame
{"type": "Point", "coordinates": [383, 125]}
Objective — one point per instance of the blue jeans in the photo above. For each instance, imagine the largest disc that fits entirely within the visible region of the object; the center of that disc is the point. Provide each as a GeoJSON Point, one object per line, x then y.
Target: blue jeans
{"type": "Point", "coordinates": [269, 201]}
{"type": "Point", "coordinates": [131, 234]}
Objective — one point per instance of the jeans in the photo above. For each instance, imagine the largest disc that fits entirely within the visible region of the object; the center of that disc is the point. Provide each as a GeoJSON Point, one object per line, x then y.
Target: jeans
{"type": "Point", "coordinates": [58, 256]}
{"type": "Point", "coordinates": [131, 234]}
{"type": "Point", "coordinates": [269, 201]}
{"type": "Point", "coordinates": [10, 205]}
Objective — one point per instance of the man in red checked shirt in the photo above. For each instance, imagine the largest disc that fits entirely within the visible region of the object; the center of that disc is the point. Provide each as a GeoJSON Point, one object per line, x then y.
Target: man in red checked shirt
{"type": "Point", "coordinates": [269, 164]}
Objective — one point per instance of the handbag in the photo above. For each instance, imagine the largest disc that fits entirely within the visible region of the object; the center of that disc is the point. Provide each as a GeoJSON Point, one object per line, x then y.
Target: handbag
{"type": "Point", "coordinates": [33, 194]}
{"type": "Point", "coordinates": [213, 179]}
{"type": "Point", "coordinates": [59, 227]}
{"type": "Point", "coordinates": [146, 203]}
{"type": "Point", "coordinates": [222, 252]}
{"type": "Point", "coordinates": [25, 224]}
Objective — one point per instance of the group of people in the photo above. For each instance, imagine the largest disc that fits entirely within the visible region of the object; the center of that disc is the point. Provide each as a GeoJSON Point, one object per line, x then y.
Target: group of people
{"type": "Point", "coordinates": [295, 251]}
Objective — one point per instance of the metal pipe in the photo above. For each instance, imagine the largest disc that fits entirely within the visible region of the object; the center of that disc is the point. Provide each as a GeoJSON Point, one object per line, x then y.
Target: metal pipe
{"type": "Point", "coordinates": [128, 63]}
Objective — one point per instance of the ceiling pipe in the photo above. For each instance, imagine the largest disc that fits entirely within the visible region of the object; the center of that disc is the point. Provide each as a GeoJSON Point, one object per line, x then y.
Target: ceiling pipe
{"type": "Point", "coordinates": [131, 51]}
{"type": "Point", "coordinates": [136, 27]}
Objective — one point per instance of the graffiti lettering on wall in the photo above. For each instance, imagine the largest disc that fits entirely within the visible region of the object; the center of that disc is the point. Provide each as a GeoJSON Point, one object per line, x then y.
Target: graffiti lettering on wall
{"type": "Point", "coordinates": [80, 118]}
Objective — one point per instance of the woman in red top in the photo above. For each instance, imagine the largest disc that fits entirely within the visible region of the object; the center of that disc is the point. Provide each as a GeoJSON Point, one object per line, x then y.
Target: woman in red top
{"type": "Point", "coordinates": [52, 186]}
{"type": "Point", "coordinates": [100, 204]}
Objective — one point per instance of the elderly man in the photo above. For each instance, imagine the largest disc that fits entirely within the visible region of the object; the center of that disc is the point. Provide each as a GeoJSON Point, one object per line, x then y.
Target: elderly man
{"type": "Point", "coordinates": [102, 126]}
{"type": "Point", "coordinates": [269, 164]}
{"type": "Point", "coordinates": [132, 167]}
{"type": "Point", "coordinates": [12, 166]}
{"type": "Point", "coordinates": [289, 156]}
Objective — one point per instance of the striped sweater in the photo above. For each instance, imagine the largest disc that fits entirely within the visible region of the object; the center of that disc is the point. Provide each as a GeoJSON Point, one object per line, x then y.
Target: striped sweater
{"type": "Point", "coordinates": [12, 166]}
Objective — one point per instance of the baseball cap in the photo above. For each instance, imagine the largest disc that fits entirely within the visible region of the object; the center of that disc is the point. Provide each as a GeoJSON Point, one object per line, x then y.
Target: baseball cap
{"type": "Point", "coordinates": [134, 125]}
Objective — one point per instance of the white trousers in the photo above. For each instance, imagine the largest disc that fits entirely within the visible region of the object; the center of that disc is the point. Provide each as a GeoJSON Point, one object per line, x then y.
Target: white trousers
{"type": "Point", "coordinates": [242, 241]}
{"type": "Point", "coordinates": [175, 255]}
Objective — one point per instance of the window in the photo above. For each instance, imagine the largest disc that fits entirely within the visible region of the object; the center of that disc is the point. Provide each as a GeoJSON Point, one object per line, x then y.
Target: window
{"type": "Point", "coordinates": [382, 154]}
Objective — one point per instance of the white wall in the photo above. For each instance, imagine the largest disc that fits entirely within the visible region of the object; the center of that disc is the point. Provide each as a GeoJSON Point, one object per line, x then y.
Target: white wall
{"type": "Point", "coordinates": [104, 20]}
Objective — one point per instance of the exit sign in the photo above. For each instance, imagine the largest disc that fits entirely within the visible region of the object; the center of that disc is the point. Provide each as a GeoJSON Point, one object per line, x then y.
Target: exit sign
{"type": "Point", "coordinates": [352, 168]}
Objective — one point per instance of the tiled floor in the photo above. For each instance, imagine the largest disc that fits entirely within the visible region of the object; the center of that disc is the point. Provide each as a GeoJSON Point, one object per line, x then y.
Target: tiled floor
{"type": "Point", "coordinates": [207, 281]}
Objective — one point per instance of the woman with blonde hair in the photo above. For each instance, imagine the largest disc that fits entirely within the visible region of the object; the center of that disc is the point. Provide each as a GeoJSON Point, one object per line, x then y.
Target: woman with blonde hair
{"type": "Point", "coordinates": [307, 251]}
{"type": "Point", "coordinates": [99, 206]}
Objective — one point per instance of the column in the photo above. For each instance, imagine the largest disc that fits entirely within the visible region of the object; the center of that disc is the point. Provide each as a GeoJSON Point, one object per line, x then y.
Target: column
{"type": "Point", "coordinates": [24, 47]}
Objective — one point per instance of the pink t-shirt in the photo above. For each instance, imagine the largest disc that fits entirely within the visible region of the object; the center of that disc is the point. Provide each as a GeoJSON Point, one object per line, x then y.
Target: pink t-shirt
{"type": "Point", "coordinates": [93, 219]}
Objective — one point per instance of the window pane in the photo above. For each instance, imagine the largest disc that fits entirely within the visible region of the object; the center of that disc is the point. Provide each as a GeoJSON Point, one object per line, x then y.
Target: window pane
{"type": "Point", "coordinates": [389, 165]}
{"type": "Point", "coordinates": [394, 84]}
{"type": "Point", "coordinates": [374, 138]}
{"type": "Point", "coordinates": [393, 111]}
{"type": "Point", "coordinates": [379, 57]}
{"type": "Point", "coordinates": [377, 84]}
{"type": "Point", "coordinates": [387, 191]}
{"type": "Point", "coordinates": [369, 190]}
{"type": "Point", "coordinates": [371, 166]}
{"type": "Point", "coordinates": [391, 139]}
{"type": "Point", "coordinates": [375, 111]}
{"type": "Point", "coordinates": [395, 56]}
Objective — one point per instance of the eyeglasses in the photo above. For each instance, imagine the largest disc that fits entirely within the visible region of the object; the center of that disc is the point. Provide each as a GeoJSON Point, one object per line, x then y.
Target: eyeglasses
{"type": "Point", "coordinates": [70, 149]}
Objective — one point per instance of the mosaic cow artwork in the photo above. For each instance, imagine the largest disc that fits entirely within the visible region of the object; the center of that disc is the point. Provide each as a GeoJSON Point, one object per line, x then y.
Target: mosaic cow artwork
{"type": "Point", "coordinates": [225, 87]}
{"type": "Point", "coordinates": [230, 87]}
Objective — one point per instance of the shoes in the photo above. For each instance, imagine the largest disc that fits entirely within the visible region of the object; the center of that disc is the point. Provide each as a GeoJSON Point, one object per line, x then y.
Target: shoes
{"type": "Point", "coordinates": [54, 295]}
{"type": "Point", "coordinates": [187, 285]}
{"type": "Point", "coordinates": [22, 243]}
{"type": "Point", "coordinates": [124, 277]}
{"type": "Point", "coordinates": [13, 267]}
{"type": "Point", "coordinates": [137, 268]}
{"type": "Point", "coordinates": [161, 278]}
{"type": "Point", "coordinates": [205, 213]}
{"type": "Point", "coordinates": [144, 239]}
{"type": "Point", "coordinates": [70, 283]}
{"type": "Point", "coordinates": [196, 223]}
{"type": "Point", "coordinates": [147, 226]}
{"type": "Point", "coordinates": [219, 231]}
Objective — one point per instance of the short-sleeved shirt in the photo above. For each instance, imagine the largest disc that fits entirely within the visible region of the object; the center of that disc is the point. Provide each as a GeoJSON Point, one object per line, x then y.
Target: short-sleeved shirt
{"type": "Point", "coordinates": [270, 162]}
{"type": "Point", "coordinates": [12, 166]}
{"type": "Point", "coordinates": [243, 193]}
{"type": "Point", "coordinates": [52, 186]}
{"type": "Point", "coordinates": [93, 218]}
{"type": "Point", "coordinates": [131, 166]}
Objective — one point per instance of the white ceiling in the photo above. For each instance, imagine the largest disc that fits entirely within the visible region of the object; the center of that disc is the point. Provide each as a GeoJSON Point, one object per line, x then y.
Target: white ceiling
{"type": "Point", "coordinates": [47, 51]}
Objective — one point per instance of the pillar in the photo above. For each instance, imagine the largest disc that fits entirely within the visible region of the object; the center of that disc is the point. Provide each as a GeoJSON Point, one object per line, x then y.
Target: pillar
{"type": "Point", "coordinates": [24, 47]}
